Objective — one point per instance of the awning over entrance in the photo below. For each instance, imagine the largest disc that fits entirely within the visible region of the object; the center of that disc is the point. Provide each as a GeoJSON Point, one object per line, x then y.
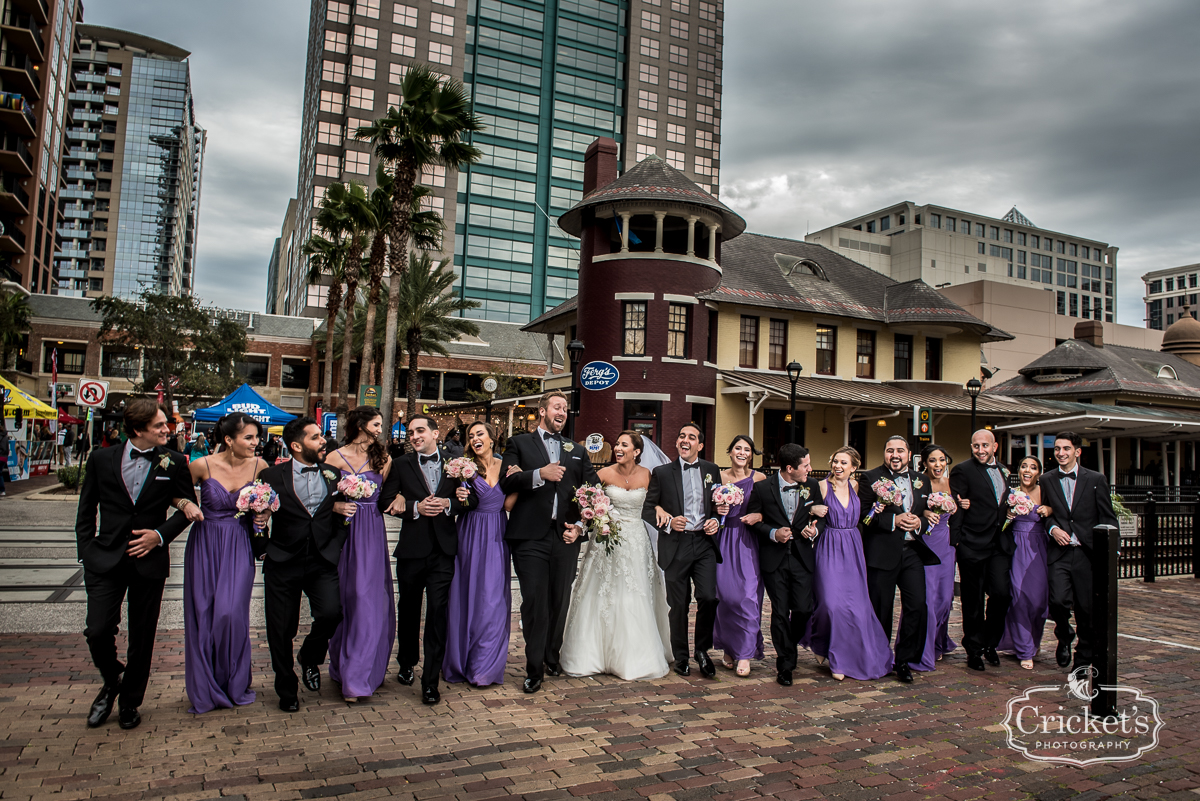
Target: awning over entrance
{"type": "Point", "coordinates": [1095, 420]}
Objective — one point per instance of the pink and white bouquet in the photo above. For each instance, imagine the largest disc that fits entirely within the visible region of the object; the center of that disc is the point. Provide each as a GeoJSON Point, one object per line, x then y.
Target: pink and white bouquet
{"type": "Point", "coordinates": [257, 497]}
{"type": "Point", "coordinates": [887, 493]}
{"type": "Point", "coordinates": [1021, 504]}
{"type": "Point", "coordinates": [462, 468]}
{"type": "Point", "coordinates": [600, 520]}
{"type": "Point", "coordinates": [942, 503]}
{"type": "Point", "coordinates": [727, 495]}
{"type": "Point", "coordinates": [354, 487]}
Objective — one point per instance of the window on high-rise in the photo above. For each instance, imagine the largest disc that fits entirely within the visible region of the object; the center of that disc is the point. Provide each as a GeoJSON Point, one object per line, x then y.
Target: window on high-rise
{"type": "Point", "coordinates": [333, 102]}
{"type": "Point", "coordinates": [681, 6]}
{"type": "Point", "coordinates": [648, 127]}
{"type": "Point", "coordinates": [933, 359]}
{"type": "Point", "coordinates": [647, 100]}
{"type": "Point", "coordinates": [704, 166]}
{"type": "Point", "coordinates": [748, 342]}
{"type": "Point", "coordinates": [678, 315]}
{"type": "Point", "coordinates": [366, 36]}
{"type": "Point", "coordinates": [1008, 235]}
{"type": "Point", "coordinates": [649, 48]}
{"type": "Point", "coordinates": [994, 232]}
{"type": "Point", "coordinates": [707, 62]}
{"type": "Point", "coordinates": [441, 23]}
{"type": "Point", "coordinates": [358, 162]}
{"type": "Point", "coordinates": [404, 45]}
{"type": "Point", "coordinates": [648, 73]}
{"type": "Point", "coordinates": [1170, 284]}
{"type": "Point", "coordinates": [634, 328]}
{"type": "Point", "coordinates": [706, 87]}
{"type": "Point", "coordinates": [679, 29]}
{"type": "Point", "coordinates": [367, 8]}
{"type": "Point", "coordinates": [704, 113]}
{"type": "Point", "coordinates": [707, 37]}
{"type": "Point", "coordinates": [330, 133]}
{"type": "Point", "coordinates": [328, 165]}
{"type": "Point", "coordinates": [708, 11]}
{"type": "Point", "coordinates": [676, 107]}
{"type": "Point", "coordinates": [404, 15]}
{"type": "Point", "coordinates": [333, 71]}
{"type": "Point", "coordinates": [677, 159]}
{"type": "Point", "coordinates": [643, 150]}
{"type": "Point", "coordinates": [864, 365]}
{"type": "Point", "coordinates": [704, 140]}
{"type": "Point", "coordinates": [396, 73]}
{"type": "Point", "coordinates": [964, 227]}
{"type": "Point", "coordinates": [337, 42]}
{"type": "Point", "coordinates": [676, 133]}
{"type": "Point", "coordinates": [677, 81]}
{"type": "Point", "coordinates": [362, 97]}
{"type": "Point", "coordinates": [678, 55]}
{"type": "Point", "coordinates": [362, 67]}
{"type": "Point", "coordinates": [651, 21]}
{"type": "Point", "coordinates": [338, 12]}
{"type": "Point", "coordinates": [1074, 249]}
{"type": "Point", "coordinates": [826, 342]}
{"type": "Point", "coordinates": [433, 175]}
{"type": "Point", "coordinates": [441, 53]}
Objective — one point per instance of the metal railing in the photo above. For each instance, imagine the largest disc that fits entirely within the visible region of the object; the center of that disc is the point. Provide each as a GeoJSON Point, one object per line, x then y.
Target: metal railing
{"type": "Point", "coordinates": [1167, 539]}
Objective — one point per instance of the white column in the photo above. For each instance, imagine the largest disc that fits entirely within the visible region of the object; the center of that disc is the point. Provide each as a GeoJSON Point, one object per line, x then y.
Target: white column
{"type": "Point", "coordinates": [1008, 449]}
{"type": "Point", "coordinates": [549, 353]}
{"type": "Point", "coordinates": [659, 216]}
{"type": "Point", "coordinates": [1166, 475]}
{"type": "Point", "coordinates": [441, 386]}
{"type": "Point", "coordinates": [624, 232]}
{"type": "Point", "coordinates": [512, 408]}
{"type": "Point", "coordinates": [1137, 452]}
{"type": "Point", "coordinates": [691, 250]}
{"type": "Point", "coordinates": [1178, 461]}
{"type": "Point", "coordinates": [750, 425]}
{"type": "Point", "coordinates": [1037, 449]}
{"type": "Point", "coordinates": [712, 242]}
{"type": "Point", "coordinates": [1112, 460]}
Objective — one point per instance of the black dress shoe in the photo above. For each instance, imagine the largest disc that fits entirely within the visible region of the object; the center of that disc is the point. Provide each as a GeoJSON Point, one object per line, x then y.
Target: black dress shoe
{"type": "Point", "coordinates": [784, 678]}
{"type": "Point", "coordinates": [128, 717]}
{"type": "Point", "coordinates": [311, 675]}
{"type": "Point", "coordinates": [682, 668]}
{"type": "Point", "coordinates": [552, 670]}
{"type": "Point", "coordinates": [103, 705]}
{"type": "Point", "coordinates": [289, 704]}
{"type": "Point", "coordinates": [904, 674]}
{"type": "Point", "coordinates": [532, 685]}
{"type": "Point", "coordinates": [707, 668]}
{"type": "Point", "coordinates": [430, 695]}
{"type": "Point", "coordinates": [1063, 653]}
{"type": "Point", "coordinates": [406, 676]}
{"type": "Point", "coordinates": [975, 662]}
{"type": "Point", "coordinates": [991, 656]}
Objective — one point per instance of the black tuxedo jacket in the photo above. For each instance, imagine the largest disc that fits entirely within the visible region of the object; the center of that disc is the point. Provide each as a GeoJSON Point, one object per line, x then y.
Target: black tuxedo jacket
{"type": "Point", "coordinates": [100, 550]}
{"type": "Point", "coordinates": [976, 532]}
{"type": "Point", "coordinates": [530, 517]}
{"type": "Point", "coordinates": [1091, 506]}
{"type": "Point", "coordinates": [767, 499]}
{"type": "Point", "coordinates": [883, 542]}
{"type": "Point", "coordinates": [419, 536]}
{"type": "Point", "coordinates": [292, 526]}
{"type": "Point", "coordinates": [666, 490]}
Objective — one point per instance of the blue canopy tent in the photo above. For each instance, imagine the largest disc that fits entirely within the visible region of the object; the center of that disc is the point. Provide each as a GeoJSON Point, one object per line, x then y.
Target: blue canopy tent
{"type": "Point", "coordinates": [245, 399]}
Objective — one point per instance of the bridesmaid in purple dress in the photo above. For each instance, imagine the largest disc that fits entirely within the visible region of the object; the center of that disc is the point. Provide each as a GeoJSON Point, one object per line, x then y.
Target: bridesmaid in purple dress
{"type": "Point", "coordinates": [843, 629]}
{"type": "Point", "coordinates": [361, 646]}
{"type": "Point", "coordinates": [480, 608]}
{"type": "Point", "coordinates": [218, 570]}
{"type": "Point", "coordinates": [1027, 614]}
{"type": "Point", "coordinates": [939, 579]}
{"type": "Point", "coordinates": [738, 626]}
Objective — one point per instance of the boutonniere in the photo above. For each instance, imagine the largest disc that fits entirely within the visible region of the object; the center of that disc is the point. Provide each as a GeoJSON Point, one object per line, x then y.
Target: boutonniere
{"type": "Point", "coordinates": [708, 480]}
{"type": "Point", "coordinates": [804, 493]}
{"type": "Point", "coordinates": [568, 446]}
{"type": "Point", "coordinates": [1004, 472]}
{"type": "Point", "coordinates": [329, 475]}
{"type": "Point", "coordinates": [918, 483]}
{"type": "Point", "coordinates": [164, 461]}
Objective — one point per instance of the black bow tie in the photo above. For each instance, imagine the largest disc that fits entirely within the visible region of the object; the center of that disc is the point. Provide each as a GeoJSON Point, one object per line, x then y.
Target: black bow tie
{"type": "Point", "coordinates": [427, 459]}
{"type": "Point", "coordinates": [547, 436]}
{"type": "Point", "coordinates": [134, 453]}
{"type": "Point", "coordinates": [691, 466]}
{"type": "Point", "coordinates": [1071, 476]}
{"type": "Point", "coordinates": [311, 469]}
{"type": "Point", "coordinates": [995, 467]}
{"type": "Point", "coordinates": [790, 488]}
{"type": "Point", "coordinates": [902, 474]}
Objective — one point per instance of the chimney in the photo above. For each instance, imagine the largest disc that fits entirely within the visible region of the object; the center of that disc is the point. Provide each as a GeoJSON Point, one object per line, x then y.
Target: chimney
{"type": "Point", "coordinates": [1091, 332]}
{"type": "Point", "coordinates": [599, 165]}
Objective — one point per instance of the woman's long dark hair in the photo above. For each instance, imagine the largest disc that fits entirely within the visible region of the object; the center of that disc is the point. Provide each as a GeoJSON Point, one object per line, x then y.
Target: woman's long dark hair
{"type": "Point", "coordinates": [356, 423]}
{"type": "Point", "coordinates": [491, 432]}
{"type": "Point", "coordinates": [231, 425]}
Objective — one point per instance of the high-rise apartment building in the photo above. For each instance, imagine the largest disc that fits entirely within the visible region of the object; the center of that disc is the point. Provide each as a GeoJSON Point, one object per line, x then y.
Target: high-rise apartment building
{"type": "Point", "coordinates": [547, 78]}
{"type": "Point", "coordinates": [1169, 292]}
{"type": "Point", "coordinates": [946, 247]}
{"type": "Point", "coordinates": [133, 170]}
{"type": "Point", "coordinates": [282, 255]}
{"type": "Point", "coordinates": [37, 40]}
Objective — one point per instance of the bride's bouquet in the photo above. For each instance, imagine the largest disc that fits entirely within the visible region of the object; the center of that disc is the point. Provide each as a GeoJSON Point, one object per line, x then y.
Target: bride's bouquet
{"type": "Point", "coordinates": [727, 495]}
{"type": "Point", "coordinates": [1021, 504]}
{"type": "Point", "coordinates": [600, 520]}
{"type": "Point", "coordinates": [257, 497]}
{"type": "Point", "coordinates": [461, 468]}
{"type": "Point", "coordinates": [887, 493]}
{"type": "Point", "coordinates": [354, 487]}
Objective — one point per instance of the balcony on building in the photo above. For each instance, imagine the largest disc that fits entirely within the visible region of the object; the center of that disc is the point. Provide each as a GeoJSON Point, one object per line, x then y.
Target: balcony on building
{"type": "Point", "coordinates": [12, 240]}
{"type": "Point", "coordinates": [16, 117]}
{"type": "Point", "coordinates": [20, 74]}
{"type": "Point", "coordinates": [12, 197]}
{"type": "Point", "coordinates": [23, 32]}
{"type": "Point", "coordinates": [15, 156]}
{"type": "Point", "coordinates": [38, 9]}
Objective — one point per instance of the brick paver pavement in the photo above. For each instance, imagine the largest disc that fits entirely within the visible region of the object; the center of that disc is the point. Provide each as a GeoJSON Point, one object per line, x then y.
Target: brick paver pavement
{"type": "Point", "coordinates": [599, 738]}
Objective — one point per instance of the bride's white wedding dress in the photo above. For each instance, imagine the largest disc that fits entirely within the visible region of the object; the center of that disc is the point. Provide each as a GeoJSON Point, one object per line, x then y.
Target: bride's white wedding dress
{"type": "Point", "coordinates": [617, 622]}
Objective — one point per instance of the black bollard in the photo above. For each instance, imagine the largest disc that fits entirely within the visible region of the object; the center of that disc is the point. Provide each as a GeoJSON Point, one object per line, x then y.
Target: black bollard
{"type": "Point", "coordinates": [1105, 540]}
{"type": "Point", "coordinates": [1150, 539]}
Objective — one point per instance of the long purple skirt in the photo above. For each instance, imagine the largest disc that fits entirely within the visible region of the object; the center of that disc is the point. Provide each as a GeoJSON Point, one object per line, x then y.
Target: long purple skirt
{"type": "Point", "coordinates": [939, 594]}
{"type": "Point", "coordinates": [361, 647]}
{"type": "Point", "coordinates": [1027, 615]}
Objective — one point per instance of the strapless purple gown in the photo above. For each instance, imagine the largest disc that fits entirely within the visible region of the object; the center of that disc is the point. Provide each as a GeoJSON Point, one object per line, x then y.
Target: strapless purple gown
{"type": "Point", "coordinates": [939, 594]}
{"type": "Point", "coordinates": [480, 609]}
{"type": "Point", "coordinates": [218, 573]}
{"type": "Point", "coordinates": [1027, 615]}
{"type": "Point", "coordinates": [738, 627]}
{"type": "Point", "coordinates": [843, 627]}
{"type": "Point", "coordinates": [361, 647]}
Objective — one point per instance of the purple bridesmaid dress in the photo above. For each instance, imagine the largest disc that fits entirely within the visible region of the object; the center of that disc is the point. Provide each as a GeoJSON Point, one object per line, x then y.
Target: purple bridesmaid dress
{"type": "Point", "coordinates": [738, 626]}
{"type": "Point", "coordinates": [480, 609]}
{"type": "Point", "coordinates": [939, 594]}
{"type": "Point", "coordinates": [1027, 614]}
{"type": "Point", "coordinates": [218, 573]}
{"type": "Point", "coordinates": [843, 627]}
{"type": "Point", "coordinates": [361, 647]}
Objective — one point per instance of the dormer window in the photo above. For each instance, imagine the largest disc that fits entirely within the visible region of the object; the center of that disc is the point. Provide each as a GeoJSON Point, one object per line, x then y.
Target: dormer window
{"type": "Point", "coordinates": [1167, 371]}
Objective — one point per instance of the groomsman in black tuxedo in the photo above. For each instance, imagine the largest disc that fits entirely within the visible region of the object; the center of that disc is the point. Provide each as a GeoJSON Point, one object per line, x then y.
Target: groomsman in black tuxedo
{"type": "Point", "coordinates": [430, 505]}
{"type": "Point", "coordinates": [301, 556]}
{"type": "Point", "coordinates": [131, 485]}
{"type": "Point", "coordinates": [679, 503]}
{"type": "Point", "coordinates": [1079, 500]}
{"type": "Point", "coordinates": [983, 550]}
{"type": "Point", "coordinates": [544, 469]}
{"type": "Point", "coordinates": [896, 554]}
{"type": "Point", "coordinates": [792, 517]}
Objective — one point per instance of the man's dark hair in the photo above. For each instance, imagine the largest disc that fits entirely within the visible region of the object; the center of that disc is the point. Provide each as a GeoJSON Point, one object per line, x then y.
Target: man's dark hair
{"type": "Point", "coordinates": [1074, 438]}
{"type": "Point", "coordinates": [294, 431]}
{"type": "Point", "coordinates": [900, 437]}
{"type": "Point", "coordinates": [432, 423]}
{"type": "Point", "coordinates": [699, 431]}
{"type": "Point", "coordinates": [140, 413]}
{"type": "Point", "coordinates": [791, 455]}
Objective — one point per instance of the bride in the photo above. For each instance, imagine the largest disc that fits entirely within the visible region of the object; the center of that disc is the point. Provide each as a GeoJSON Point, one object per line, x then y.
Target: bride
{"type": "Point", "coordinates": [617, 621]}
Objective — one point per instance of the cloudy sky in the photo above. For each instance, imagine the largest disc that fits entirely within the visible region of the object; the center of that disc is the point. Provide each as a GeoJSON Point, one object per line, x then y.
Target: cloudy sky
{"type": "Point", "coordinates": [1085, 115]}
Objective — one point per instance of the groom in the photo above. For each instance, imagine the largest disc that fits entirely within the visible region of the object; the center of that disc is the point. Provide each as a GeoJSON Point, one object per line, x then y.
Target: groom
{"type": "Point", "coordinates": [544, 469]}
{"type": "Point", "coordinates": [680, 503]}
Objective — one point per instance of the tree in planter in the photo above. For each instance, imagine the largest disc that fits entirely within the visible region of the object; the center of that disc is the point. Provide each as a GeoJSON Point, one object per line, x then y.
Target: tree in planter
{"type": "Point", "coordinates": [327, 257]}
{"type": "Point", "coordinates": [426, 312]}
{"type": "Point", "coordinates": [178, 338]}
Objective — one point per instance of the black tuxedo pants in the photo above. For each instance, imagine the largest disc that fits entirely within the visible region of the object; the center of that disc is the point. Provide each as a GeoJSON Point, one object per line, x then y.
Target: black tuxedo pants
{"type": "Point", "coordinates": [545, 569]}
{"type": "Point", "coordinates": [983, 626]}
{"type": "Point", "coordinates": [283, 582]}
{"type": "Point", "coordinates": [694, 566]}
{"type": "Point", "coordinates": [1071, 588]}
{"type": "Point", "coordinates": [105, 597]}
{"type": "Point", "coordinates": [790, 588]}
{"type": "Point", "coordinates": [909, 577]}
{"type": "Point", "coordinates": [425, 578]}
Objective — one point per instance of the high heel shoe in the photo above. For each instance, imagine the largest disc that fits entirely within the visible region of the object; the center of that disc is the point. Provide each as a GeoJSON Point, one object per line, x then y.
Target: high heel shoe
{"type": "Point", "coordinates": [839, 676]}
{"type": "Point", "coordinates": [727, 663]}
{"type": "Point", "coordinates": [1027, 664]}
{"type": "Point", "coordinates": [743, 667]}
{"type": "Point", "coordinates": [821, 661]}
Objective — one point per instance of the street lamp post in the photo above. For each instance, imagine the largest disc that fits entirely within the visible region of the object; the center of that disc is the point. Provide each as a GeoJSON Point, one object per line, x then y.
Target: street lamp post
{"type": "Point", "coordinates": [793, 371]}
{"type": "Point", "coordinates": [973, 389]}
{"type": "Point", "coordinates": [575, 348]}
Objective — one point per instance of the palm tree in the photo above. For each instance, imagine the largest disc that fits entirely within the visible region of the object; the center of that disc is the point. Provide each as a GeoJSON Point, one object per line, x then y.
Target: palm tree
{"type": "Point", "coordinates": [425, 129]}
{"type": "Point", "coordinates": [14, 321]}
{"type": "Point", "coordinates": [327, 257]}
{"type": "Point", "coordinates": [426, 309]}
